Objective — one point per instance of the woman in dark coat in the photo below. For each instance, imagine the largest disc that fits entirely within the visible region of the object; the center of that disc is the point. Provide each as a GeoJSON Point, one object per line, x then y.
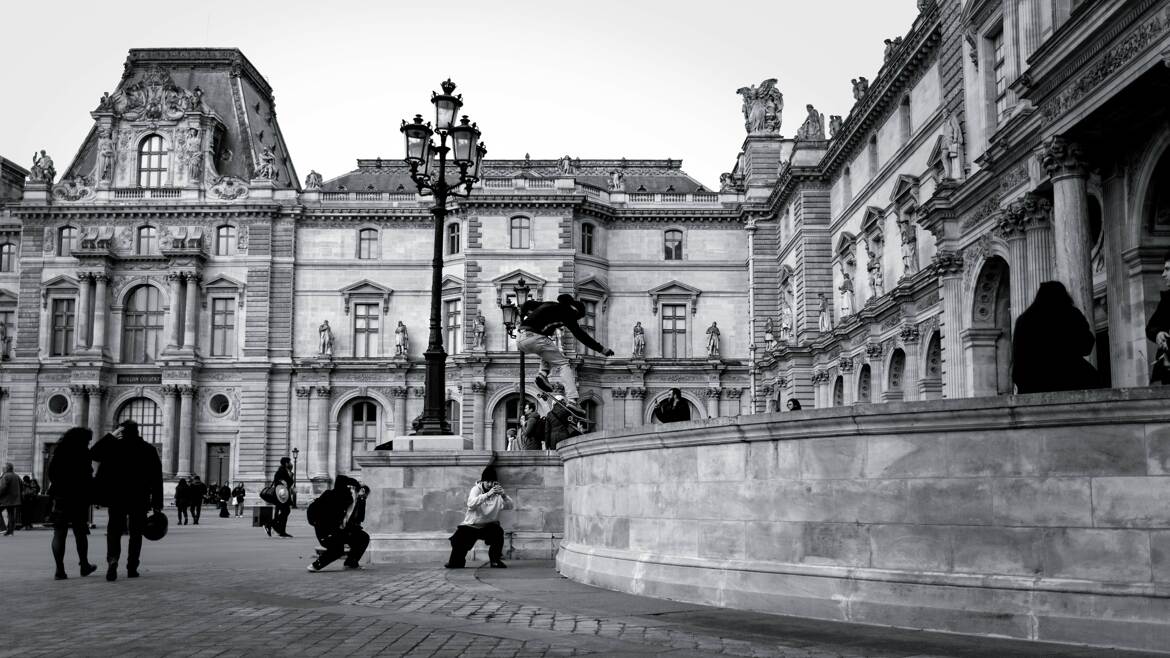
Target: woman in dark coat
{"type": "Point", "coordinates": [673, 409]}
{"type": "Point", "coordinates": [1051, 340]}
{"type": "Point", "coordinates": [71, 475]}
{"type": "Point", "coordinates": [182, 498]}
{"type": "Point", "coordinates": [1158, 330]}
{"type": "Point", "coordinates": [225, 495]}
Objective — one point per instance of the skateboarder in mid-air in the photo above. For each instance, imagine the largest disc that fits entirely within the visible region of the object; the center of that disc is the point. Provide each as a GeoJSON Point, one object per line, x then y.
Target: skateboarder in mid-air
{"type": "Point", "coordinates": [538, 322]}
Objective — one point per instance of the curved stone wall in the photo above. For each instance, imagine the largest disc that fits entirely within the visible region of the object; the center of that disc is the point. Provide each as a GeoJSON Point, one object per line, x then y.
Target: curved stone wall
{"type": "Point", "coordinates": [1039, 516]}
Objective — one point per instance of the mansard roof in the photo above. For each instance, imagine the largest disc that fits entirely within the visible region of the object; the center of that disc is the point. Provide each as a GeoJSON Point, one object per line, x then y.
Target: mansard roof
{"type": "Point", "coordinates": [176, 84]}
{"type": "Point", "coordinates": [649, 176]}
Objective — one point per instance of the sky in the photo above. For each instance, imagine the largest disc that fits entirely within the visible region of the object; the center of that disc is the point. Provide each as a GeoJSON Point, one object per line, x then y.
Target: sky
{"type": "Point", "coordinates": [596, 79]}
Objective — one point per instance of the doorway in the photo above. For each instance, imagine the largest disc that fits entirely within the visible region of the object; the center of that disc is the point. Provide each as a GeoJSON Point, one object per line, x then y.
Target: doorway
{"type": "Point", "coordinates": [219, 464]}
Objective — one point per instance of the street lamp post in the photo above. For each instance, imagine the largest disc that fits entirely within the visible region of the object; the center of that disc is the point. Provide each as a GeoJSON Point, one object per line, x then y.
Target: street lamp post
{"type": "Point", "coordinates": [512, 323]}
{"type": "Point", "coordinates": [295, 452]}
{"type": "Point", "coordinates": [432, 177]}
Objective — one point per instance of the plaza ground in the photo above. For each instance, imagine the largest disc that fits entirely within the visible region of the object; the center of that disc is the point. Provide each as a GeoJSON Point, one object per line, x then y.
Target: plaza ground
{"type": "Point", "coordinates": [224, 588]}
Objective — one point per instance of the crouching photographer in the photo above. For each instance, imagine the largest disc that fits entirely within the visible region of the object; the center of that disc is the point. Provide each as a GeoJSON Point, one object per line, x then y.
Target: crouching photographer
{"type": "Point", "coordinates": [336, 517]}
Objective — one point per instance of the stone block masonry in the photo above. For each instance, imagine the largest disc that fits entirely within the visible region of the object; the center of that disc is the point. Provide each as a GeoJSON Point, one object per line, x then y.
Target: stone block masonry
{"type": "Point", "coordinates": [1041, 517]}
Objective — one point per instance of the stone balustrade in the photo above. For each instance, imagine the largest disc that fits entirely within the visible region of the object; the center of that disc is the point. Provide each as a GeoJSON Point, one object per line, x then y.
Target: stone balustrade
{"type": "Point", "coordinates": [1041, 516]}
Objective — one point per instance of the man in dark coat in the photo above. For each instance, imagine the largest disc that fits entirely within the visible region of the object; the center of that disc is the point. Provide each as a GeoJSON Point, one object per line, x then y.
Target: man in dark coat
{"type": "Point", "coordinates": [530, 428]}
{"type": "Point", "coordinates": [673, 409]}
{"type": "Point", "coordinates": [1050, 343]}
{"type": "Point", "coordinates": [338, 515]}
{"type": "Point", "coordinates": [280, 515]}
{"type": "Point", "coordinates": [129, 483]}
{"type": "Point", "coordinates": [71, 485]}
{"type": "Point", "coordinates": [195, 496]}
{"type": "Point", "coordinates": [539, 322]}
{"type": "Point", "coordinates": [1158, 330]}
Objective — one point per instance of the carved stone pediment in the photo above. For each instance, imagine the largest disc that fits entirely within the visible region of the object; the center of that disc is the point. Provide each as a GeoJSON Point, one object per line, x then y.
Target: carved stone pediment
{"type": "Point", "coordinates": [674, 291]}
{"type": "Point", "coordinates": [224, 285]}
{"type": "Point", "coordinates": [154, 97]}
{"type": "Point", "coordinates": [228, 188]}
{"type": "Point", "coordinates": [366, 290]}
{"type": "Point", "coordinates": [77, 188]}
{"type": "Point", "coordinates": [506, 284]}
{"type": "Point", "coordinates": [905, 191]}
{"type": "Point", "coordinates": [58, 286]}
{"type": "Point", "coordinates": [594, 288]}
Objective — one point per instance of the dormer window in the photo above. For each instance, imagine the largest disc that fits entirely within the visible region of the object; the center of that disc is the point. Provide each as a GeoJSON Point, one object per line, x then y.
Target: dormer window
{"type": "Point", "coordinates": [147, 242]}
{"type": "Point", "coordinates": [152, 162]}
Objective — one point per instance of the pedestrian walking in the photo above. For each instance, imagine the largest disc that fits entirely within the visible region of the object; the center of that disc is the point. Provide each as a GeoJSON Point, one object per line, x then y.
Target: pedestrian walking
{"type": "Point", "coordinates": [225, 496]}
{"type": "Point", "coordinates": [336, 517]}
{"type": "Point", "coordinates": [673, 409]}
{"type": "Point", "coordinates": [283, 478]}
{"type": "Point", "coordinates": [71, 485]}
{"type": "Point", "coordinates": [238, 498]}
{"type": "Point", "coordinates": [182, 497]}
{"type": "Point", "coordinates": [538, 324]}
{"type": "Point", "coordinates": [29, 491]}
{"type": "Point", "coordinates": [129, 482]}
{"type": "Point", "coordinates": [481, 520]}
{"type": "Point", "coordinates": [9, 498]}
{"type": "Point", "coordinates": [197, 493]}
{"type": "Point", "coordinates": [1050, 343]}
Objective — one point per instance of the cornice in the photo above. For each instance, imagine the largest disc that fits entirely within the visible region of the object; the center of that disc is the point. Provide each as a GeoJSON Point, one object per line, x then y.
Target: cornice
{"type": "Point", "coordinates": [31, 212]}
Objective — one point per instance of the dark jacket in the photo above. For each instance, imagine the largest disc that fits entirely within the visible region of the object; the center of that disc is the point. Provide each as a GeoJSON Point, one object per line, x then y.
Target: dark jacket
{"type": "Point", "coordinates": [1160, 321]}
{"type": "Point", "coordinates": [70, 470]}
{"type": "Point", "coordinates": [130, 473]}
{"type": "Point", "coordinates": [225, 492]}
{"type": "Point", "coordinates": [668, 411]}
{"type": "Point", "coordinates": [239, 492]}
{"type": "Point", "coordinates": [182, 494]}
{"type": "Point", "coordinates": [10, 489]}
{"type": "Point", "coordinates": [282, 475]}
{"type": "Point", "coordinates": [359, 515]}
{"type": "Point", "coordinates": [196, 493]}
{"type": "Point", "coordinates": [1048, 350]}
{"type": "Point", "coordinates": [544, 318]}
{"type": "Point", "coordinates": [530, 433]}
{"type": "Point", "coordinates": [332, 505]}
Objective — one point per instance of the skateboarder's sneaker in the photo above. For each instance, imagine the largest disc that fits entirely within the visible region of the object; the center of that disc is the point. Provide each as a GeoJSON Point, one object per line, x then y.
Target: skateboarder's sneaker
{"type": "Point", "coordinates": [572, 407]}
{"type": "Point", "coordinates": [543, 383]}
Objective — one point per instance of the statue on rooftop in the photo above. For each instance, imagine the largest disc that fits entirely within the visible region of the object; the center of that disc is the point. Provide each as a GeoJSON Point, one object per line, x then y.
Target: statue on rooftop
{"type": "Point", "coordinates": [42, 170]}
{"type": "Point", "coordinates": [617, 181]}
{"type": "Point", "coordinates": [835, 124]}
{"type": "Point", "coordinates": [763, 107]}
{"type": "Point", "coordinates": [860, 87]}
{"type": "Point", "coordinates": [267, 168]}
{"type": "Point", "coordinates": [813, 128]}
{"type": "Point", "coordinates": [313, 181]}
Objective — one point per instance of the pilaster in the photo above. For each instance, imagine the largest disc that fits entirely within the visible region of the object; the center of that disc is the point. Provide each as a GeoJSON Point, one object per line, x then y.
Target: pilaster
{"type": "Point", "coordinates": [1070, 230]}
{"type": "Point", "coordinates": [949, 265]}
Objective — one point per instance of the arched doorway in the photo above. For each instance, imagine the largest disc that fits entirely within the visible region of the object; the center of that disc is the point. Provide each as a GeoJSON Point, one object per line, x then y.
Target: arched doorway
{"type": "Point", "coordinates": [932, 369]}
{"type": "Point", "coordinates": [839, 392]}
{"type": "Point", "coordinates": [864, 384]}
{"type": "Point", "coordinates": [987, 345]}
{"type": "Point", "coordinates": [360, 424]}
{"type": "Point", "coordinates": [896, 376]}
{"type": "Point", "coordinates": [506, 416]}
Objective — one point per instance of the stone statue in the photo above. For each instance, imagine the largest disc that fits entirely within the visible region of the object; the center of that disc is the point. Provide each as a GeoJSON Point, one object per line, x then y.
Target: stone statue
{"type": "Point", "coordinates": [953, 147]}
{"type": "Point", "coordinates": [42, 170]}
{"type": "Point", "coordinates": [479, 331]}
{"type": "Point", "coordinates": [729, 183]}
{"type": "Point", "coordinates": [194, 147]}
{"type": "Point", "coordinates": [824, 320]}
{"type": "Point", "coordinates": [105, 156]}
{"type": "Point", "coordinates": [313, 181]}
{"type": "Point", "coordinates": [763, 107]}
{"type": "Point", "coordinates": [713, 340]}
{"type": "Point", "coordinates": [267, 168]}
{"type": "Point", "coordinates": [104, 103]}
{"type": "Point", "coordinates": [785, 323]}
{"type": "Point", "coordinates": [325, 332]}
{"type": "Point", "coordinates": [769, 336]}
{"type": "Point", "coordinates": [892, 46]}
{"type": "Point", "coordinates": [846, 290]}
{"type": "Point", "coordinates": [401, 340]}
{"type": "Point", "coordinates": [639, 341]}
{"type": "Point", "coordinates": [909, 244]}
{"type": "Point", "coordinates": [565, 165]}
{"type": "Point", "coordinates": [813, 128]}
{"type": "Point", "coordinates": [835, 124]}
{"type": "Point", "coordinates": [617, 181]}
{"type": "Point", "coordinates": [860, 87]}
{"type": "Point", "coordinates": [877, 280]}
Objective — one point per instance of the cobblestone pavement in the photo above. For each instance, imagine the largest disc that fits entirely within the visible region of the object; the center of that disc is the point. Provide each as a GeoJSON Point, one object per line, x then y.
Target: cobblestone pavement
{"type": "Point", "coordinates": [226, 589]}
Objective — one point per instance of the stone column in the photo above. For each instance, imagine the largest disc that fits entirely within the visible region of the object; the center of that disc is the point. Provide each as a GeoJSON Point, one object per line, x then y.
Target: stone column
{"type": "Point", "coordinates": [399, 395]}
{"type": "Point", "coordinates": [94, 422]}
{"type": "Point", "coordinates": [175, 279]}
{"type": "Point", "coordinates": [77, 404]}
{"type": "Point", "coordinates": [875, 356]}
{"type": "Point", "coordinates": [300, 423]}
{"type": "Point", "coordinates": [712, 395]}
{"type": "Point", "coordinates": [979, 351]}
{"type": "Point", "coordinates": [81, 326]}
{"type": "Point", "coordinates": [319, 440]}
{"type": "Point", "coordinates": [634, 407]}
{"type": "Point", "coordinates": [1037, 245]}
{"type": "Point", "coordinates": [949, 265]}
{"type": "Point", "coordinates": [1070, 226]}
{"type": "Point", "coordinates": [848, 380]}
{"type": "Point", "coordinates": [481, 440]}
{"type": "Point", "coordinates": [170, 392]}
{"type": "Point", "coordinates": [190, 315]}
{"type": "Point", "coordinates": [1011, 228]}
{"type": "Point", "coordinates": [910, 346]}
{"type": "Point", "coordinates": [1031, 27]}
{"type": "Point", "coordinates": [734, 397]}
{"type": "Point", "coordinates": [616, 418]}
{"type": "Point", "coordinates": [100, 306]}
{"type": "Point", "coordinates": [186, 429]}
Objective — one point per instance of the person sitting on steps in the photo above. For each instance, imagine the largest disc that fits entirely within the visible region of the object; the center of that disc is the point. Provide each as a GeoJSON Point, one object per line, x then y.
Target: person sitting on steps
{"type": "Point", "coordinates": [539, 321]}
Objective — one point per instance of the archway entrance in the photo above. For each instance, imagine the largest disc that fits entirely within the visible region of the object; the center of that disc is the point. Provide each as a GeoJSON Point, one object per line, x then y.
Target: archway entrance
{"type": "Point", "coordinates": [988, 343]}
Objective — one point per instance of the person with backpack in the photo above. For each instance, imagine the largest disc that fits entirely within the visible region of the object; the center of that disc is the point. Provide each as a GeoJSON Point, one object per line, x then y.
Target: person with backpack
{"type": "Point", "coordinates": [336, 516]}
{"type": "Point", "coordinates": [481, 520]}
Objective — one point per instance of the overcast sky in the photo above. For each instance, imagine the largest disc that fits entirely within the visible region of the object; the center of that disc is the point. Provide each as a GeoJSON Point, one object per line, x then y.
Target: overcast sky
{"type": "Point", "coordinates": [596, 79]}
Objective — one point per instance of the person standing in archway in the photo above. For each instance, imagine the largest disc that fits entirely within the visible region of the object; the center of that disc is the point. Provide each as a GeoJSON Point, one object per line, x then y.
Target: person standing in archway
{"type": "Point", "coordinates": [1051, 340]}
{"type": "Point", "coordinates": [673, 409]}
{"type": "Point", "coordinates": [1158, 330]}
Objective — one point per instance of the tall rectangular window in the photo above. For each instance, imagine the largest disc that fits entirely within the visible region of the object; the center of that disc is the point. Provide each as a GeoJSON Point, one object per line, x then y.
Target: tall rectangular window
{"type": "Point", "coordinates": [7, 321]}
{"type": "Point", "coordinates": [999, 75]}
{"type": "Point", "coordinates": [674, 331]}
{"type": "Point", "coordinates": [365, 330]}
{"type": "Point", "coordinates": [223, 326]}
{"type": "Point", "coordinates": [225, 240]}
{"type": "Point", "coordinates": [521, 232]}
{"type": "Point", "coordinates": [367, 244]}
{"type": "Point", "coordinates": [587, 239]}
{"type": "Point", "coordinates": [589, 324]}
{"type": "Point", "coordinates": [62, 325]}
{"type": "Point", "coordinates": [453, 239]}
{"type": "Point", "coordinates": [672, 243]}
{"type": "Point", "coordinates": [454, 324]}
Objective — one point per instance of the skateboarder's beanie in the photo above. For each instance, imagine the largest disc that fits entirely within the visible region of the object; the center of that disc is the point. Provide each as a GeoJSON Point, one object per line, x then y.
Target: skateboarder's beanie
{"type": "Point", "coordinates": [567, 300]}
{"type": "Point", "coordinates": [488, 475]}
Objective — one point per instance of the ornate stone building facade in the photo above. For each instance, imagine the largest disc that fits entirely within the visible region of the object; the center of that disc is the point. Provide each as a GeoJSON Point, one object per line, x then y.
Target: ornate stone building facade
{"type": "Point", "coordinates": [179, 274]}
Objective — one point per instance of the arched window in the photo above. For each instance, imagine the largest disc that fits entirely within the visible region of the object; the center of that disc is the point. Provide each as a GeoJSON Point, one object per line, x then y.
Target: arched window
{"type": "Point", "coordinates": [453, 238]}
{"type": "Point", "coordinates": [673, 244]}
{"type": "Point", "coordinates": [932, 373]}
{"type": "Point", "coordinates": [587, 239]}
{"type": "Point", "coordinates": [839, 392]}
{"type": "Point", "coordinates": [152, 162]}
{"type": "Point", "coordinates": [144, 412]}
{"type": "Point", "coordinates": [897, 374]}
{"type": "Point", "coordinates": [142, 325]}
{"type": "Point", "coordinates": [7, 257]}
{"type": "Point", "coordinates": [147, 242]}
{"type": "Point", "coordinates": [363, 429]}
{"type": "Point", "coordinates": [225, 240]}
{"type": "Point", "coordinates": [66, 240]}
{"type": "Point", "coordinates": [367, 244]}
{"type": "Point", "coordinates": [521, 229]}
{"type": "Point", "coordinates": [864, 384]}
{"type": "Point", "coordinates": [453, 415]}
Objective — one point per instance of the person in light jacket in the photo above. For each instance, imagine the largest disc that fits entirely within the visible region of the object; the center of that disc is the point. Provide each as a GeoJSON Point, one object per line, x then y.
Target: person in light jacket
{"type": "Point", "coordinates": [485, 501]}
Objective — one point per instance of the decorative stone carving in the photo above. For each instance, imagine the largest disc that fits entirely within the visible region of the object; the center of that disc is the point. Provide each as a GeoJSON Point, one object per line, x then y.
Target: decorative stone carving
{"type": "Point", "coordinates": [713, 393]}
{"type": "Point", "coordinates": [769, 336]}
{"type": "Point", "coordinates": [323, 391]}
{"type": "Point", "coordinates": [401, 340]}
{"type": "Point", "coordinates": [478, 331]}
{"type": "Point", "coordinates": [845, 364]}
{"type": "Point", "coordinates": [846, 290]}
{"type": "Point", "coordinates": [1062, 158]}
{"type": "Point", "coordinates": [42, 169]}
{"type": "Point", "coordinates": [398, 392]}
{"type": "Point", "coordinates": [303, 391]}
{"type": "Point", "coordinates": [313, 181]}
{"type": "Point", "coordinates": [953, 152]}
{"type": "Point", "coordinates": [860, 88]}
{"type": "Point", "coordinates": [325, 339]}
{"type": "Point", "coordinates": [266, 170]}
{"type": "Point", "coordinates": [909, 235]}
{"type": "Point", "coordinates": [820, 376]}
{"type": "Point", "coordinates": [909, 334]}
{"type": "Point", "coordinates": [617, 181]}
{"type": "Point", "coordinates": [813, 128]}
{"type": "Point", "coordinates": [713, 341]}
{"type": "Point", "coordinates": [228, 188]}
{"type": "Point", "coordinates": [729, 182]}
{"type": "Point", "coordinates": [75, 188]}
{"type": "Point", "coordinates": [948, 262]}
{"type": "Point", "coordinates": [105, 166]}
{"type": "Point", "coordinates": [763, 107]}
{"type": "Point", "coordinates": [637, 393]}
{"type": "Point", "coordinates": [619, 393]}
{"type": "Point", "coordinates": [565, 165]}
{"type": "Point", "coordinates": [639, 341]}
{"type": "Point", "coordinates": [892, 46]}
{"type": "Point", "coordinates": [733, 393]}
{"type": "Point", "coordinates": [874, 351]}
{"type": "Point", "coordinates": [835, 124]}
{"type": "Point", "coordinates": [873, 267]}
{"type": "Point", "coordinates": [155, 97]}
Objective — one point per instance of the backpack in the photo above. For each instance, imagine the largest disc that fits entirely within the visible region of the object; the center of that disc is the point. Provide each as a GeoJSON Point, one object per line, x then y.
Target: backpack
{"type": "Point", "coordinates": [313, 511]}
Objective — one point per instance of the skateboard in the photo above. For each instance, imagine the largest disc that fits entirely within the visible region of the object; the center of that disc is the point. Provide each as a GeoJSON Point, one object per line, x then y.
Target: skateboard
{"type": "Point", "coordinates": [557, 402]}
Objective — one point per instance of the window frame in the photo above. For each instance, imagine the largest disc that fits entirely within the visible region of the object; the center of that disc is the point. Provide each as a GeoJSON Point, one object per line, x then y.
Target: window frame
{"type": "Point", "coordinates": [674, 337]}
{"type": "Point", "coordinates": [520, 232]}
{"type": "Point", "coordinates": [151, 432]}
{"type": "Point", "coordinates": [588, 238]}
{"type": "Point", "coordinates": [67, 331]}
{"type": "Point", "coordinates": [368, 426]}
{"type": "Point", "coordinates": [149, 333]}
{"type": "Point", "coordinates": [223, 335]}
{"type": "Point", "coordinates": [152, 164]}
{"type": "Point", "coordinates": [367, 237]}
{"type": "Point", "coordinates": [680, 245]}
{"type": "Point", "coordinates": [453, 325]}
{"type": "Point", "coordinates": [66, 248]}
{"type": "Point", "coordinates": [366, 338]}
{"type": "Point", "coordinates": [152, 241]}
{"type": "Point", "coordinates": [7, 257]}
{"type": "Point", "coordinates": [225, 236]}
{"type": "Point", "coordinates": [454, 238]}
